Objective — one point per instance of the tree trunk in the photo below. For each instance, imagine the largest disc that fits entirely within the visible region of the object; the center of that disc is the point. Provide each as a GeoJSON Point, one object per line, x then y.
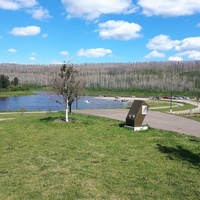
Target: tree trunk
{"type": "Point", "coordinates": [70, 108]}
{"type": "Point", "coordinates": [66, 114]}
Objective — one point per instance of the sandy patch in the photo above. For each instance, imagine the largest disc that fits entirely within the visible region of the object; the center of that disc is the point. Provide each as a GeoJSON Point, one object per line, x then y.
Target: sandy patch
{"type": "Point", "coordinates": [130, 99]}
{"type": "Point", "coordinates": [3, 119]}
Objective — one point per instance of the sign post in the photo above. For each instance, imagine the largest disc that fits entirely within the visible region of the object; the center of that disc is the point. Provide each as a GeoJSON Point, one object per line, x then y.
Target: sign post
{"type": "Point", "coordinates": [136, 115]}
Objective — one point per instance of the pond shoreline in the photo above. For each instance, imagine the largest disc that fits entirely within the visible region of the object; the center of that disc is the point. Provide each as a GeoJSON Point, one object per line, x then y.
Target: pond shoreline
{"type": "Point", "coordinates": [47, 101]}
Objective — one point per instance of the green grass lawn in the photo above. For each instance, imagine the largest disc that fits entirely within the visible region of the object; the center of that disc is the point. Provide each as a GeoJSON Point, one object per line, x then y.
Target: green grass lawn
{"type": "Point", "coordinates": [28, 90]}
{"type": "Point", "coordinates": [155, 104]}
{"type": "Point", "coordinates": [196, 117]}
{"type": "Point", "coordinates": [160, 103]}
{"type": "Point", "coordinates": [193, 116]}
{"type": "Point", "coordinates": [94, 158]}
{"type": "Point", "coordinates": [15, 93]}
{"type": "Point", "coordinates": [134, 92]}
{"type": "Point", "coordinates": [164, 106]}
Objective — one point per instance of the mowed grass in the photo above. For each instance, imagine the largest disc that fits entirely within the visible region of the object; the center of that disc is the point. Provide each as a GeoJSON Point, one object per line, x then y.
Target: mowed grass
{"type": "Point", "coordinates": [94, 158]}
{"type": "Point", "coordinates": [160, 103]}
{"type": "Point", "coordinates": [15, 93]}
{"type": "Point", "coordinates": [166, 106]}
{"type": "Point", "coordinates": [196, 117]}
{"type": "Point", "coordinates": [193, 116]}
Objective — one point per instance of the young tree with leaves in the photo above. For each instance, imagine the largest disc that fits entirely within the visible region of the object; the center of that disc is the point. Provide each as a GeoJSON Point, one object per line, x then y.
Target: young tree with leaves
{"type": "Point", "coordinates": [4, 81]}
{"type": "Point", "coordinates": [68, 86]}
{"type": "Point", "coordinates": [15, 81]}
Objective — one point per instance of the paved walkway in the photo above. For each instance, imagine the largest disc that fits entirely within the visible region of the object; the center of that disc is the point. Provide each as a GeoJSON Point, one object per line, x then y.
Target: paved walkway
{"type": "Point", "coordinates": [153, 119]}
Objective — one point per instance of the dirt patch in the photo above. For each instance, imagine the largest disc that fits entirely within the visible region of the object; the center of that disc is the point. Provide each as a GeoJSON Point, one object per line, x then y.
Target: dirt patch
{"type": "Point", "coordinates": [4, 119]}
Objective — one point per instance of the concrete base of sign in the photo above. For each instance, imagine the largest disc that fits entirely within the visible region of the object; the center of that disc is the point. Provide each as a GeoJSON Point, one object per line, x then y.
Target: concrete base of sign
{"type": "Point", "coordinates": [138, 128]}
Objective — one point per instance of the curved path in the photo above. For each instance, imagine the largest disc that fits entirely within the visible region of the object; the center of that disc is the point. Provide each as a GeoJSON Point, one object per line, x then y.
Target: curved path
{"type": "Point", "coordinates": [153, 119]}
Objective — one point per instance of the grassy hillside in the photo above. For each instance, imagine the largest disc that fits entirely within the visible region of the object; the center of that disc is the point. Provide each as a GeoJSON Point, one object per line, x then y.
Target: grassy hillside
{"type": "Point", "coordinates": [94, 158]}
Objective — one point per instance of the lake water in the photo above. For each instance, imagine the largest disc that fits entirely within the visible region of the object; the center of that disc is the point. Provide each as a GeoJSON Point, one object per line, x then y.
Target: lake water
{"type": "Point", "coordinates": [47, 101]}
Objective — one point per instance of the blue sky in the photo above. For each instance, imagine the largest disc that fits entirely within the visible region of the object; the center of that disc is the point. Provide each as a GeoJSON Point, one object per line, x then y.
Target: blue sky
{"type": "Point", "coordinates": [93, 31]}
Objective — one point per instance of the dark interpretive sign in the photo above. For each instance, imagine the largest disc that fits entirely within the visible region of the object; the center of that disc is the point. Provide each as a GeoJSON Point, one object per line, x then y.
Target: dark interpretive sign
{"type": "Point", "coordinates": [136, 115]}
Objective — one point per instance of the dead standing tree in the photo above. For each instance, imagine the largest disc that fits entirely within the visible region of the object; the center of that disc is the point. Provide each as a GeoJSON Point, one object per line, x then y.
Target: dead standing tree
{"type": "Point", "coordinates": [68, 86]}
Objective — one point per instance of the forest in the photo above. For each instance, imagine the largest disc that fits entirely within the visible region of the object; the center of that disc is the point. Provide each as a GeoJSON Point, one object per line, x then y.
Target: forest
{"type": "Point", "coordinates": [150, 76]}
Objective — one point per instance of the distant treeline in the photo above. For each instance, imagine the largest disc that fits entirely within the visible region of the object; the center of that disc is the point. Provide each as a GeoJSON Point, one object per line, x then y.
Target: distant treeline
{"type": "Point", "coordinates": [151, 76]}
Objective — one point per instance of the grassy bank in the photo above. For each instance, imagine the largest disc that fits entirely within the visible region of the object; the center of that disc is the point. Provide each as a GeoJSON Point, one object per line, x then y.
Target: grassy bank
{"type": "Point", "coordinates": [94, 158]}
{"type": "Point", "coordinates": [23, 90]}
{"type": "Point", "coordinates": [166, 106]}
{"type": "Point", "coordinates": [27, 90]}
{"type": "Point", "coordinates": [137, 93]}
{"type": "Point", "coordinates": [193, 116]}
{"type": "Point", "coordinates": [15, 93]}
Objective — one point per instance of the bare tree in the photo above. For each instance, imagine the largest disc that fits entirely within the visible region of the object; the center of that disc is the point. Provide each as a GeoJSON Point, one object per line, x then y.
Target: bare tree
{"type": "Point", "coordinates": [151, 76]}
{"type": "Point", "coordinates": [196, 92]}
{"type": "Point", "coordinates": [68, 86]}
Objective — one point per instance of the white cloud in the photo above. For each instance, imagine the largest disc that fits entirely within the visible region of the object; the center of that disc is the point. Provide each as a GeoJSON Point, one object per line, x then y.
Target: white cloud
{"type": "Point", "coordinates": [11, 50]}
{"type": "Point", "coordinates": [32, 58]}
{"type": "Point", "coordinates": [64, 53]}
{"type": "Point", "coordinates": [94, 53]}
{"type": "Point", "coordinates": [44, 35]}
{"type": "Point", "coordinates": [188, 47]}
{"type": "Point", "coordinates": [169, 8]}
{"type": "Point", "coordinates": [191, 54]}
{"type": "Point", "coordinates": [162, 42]}
{"type": "Point", "coordinates": [120, 30]}
{"type": "Point", "coordinates": [26, 31]}
{"type": "Point", "coordinates": [191, 43]}
{"type": "Point", "coordinates": [29, 6]}
{"type": "Point", "coordinates": [17, 4]}
{"type": "Point", "coordinates": [39, 13]}
{"type": "Point", "coordinates": [194, 55]}
{"type": "Point", "coordinates": [175, 58]}
{"type": "Point", "coordinates": [91, 9]}
{"type": "Point", "coordinates": [155, 54]}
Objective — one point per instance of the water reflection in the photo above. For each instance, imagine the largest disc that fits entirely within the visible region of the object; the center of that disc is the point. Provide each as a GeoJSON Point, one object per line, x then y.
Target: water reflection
{"type": "Point", "coordinates": [47, 101]}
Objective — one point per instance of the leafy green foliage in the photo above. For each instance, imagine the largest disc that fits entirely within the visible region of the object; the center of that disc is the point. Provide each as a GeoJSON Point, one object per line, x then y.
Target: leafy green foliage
{"type": "Point", "coordinates": [133, 92]}
{"type": "Point", "coordinates": [20, 90]}
{"type": "Point", "coordinates": [15, 81]}
{"type": "Point", "coordinates": [4, 81]}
